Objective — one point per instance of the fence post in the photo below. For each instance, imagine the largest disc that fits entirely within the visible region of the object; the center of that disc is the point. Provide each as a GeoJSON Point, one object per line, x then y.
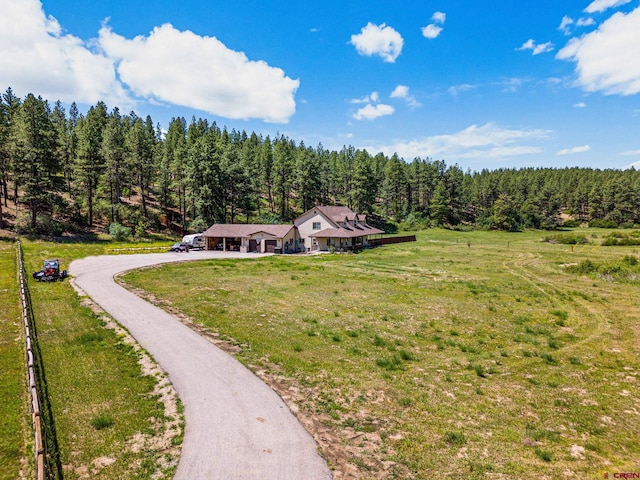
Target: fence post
{"type": "Point", "coordinates": [39, 427]}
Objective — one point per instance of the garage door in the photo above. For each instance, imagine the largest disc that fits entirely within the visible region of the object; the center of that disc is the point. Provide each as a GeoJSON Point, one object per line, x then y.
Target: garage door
{"type": "Point", "coordinates": [270, 245]}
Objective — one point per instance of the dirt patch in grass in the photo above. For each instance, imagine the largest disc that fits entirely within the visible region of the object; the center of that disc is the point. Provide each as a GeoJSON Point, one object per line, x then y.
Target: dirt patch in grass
{"type": "Point", "coordinates": [165, 439]}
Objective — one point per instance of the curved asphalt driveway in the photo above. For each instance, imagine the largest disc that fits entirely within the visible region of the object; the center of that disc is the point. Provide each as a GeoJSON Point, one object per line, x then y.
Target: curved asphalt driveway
{"type": "Point", "coordinates": [236, 427]}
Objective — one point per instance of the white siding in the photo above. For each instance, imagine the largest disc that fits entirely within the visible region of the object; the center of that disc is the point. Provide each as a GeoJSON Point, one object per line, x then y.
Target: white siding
{"type": "Point", "coordinates": [305, 226]}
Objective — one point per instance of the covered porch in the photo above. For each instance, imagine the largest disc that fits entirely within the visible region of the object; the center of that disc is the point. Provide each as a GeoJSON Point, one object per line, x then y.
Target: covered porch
{"type": "Point", "coordinates": [333, 241]}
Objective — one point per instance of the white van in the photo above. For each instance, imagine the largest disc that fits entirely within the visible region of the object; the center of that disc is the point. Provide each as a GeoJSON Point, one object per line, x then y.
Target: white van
{"type": "Point", "coordinates": [195, 240]}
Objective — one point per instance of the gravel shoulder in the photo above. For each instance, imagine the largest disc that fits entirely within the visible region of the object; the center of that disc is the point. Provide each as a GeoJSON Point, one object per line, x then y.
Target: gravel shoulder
{"type": "Point", "coordinates": [236, 427]}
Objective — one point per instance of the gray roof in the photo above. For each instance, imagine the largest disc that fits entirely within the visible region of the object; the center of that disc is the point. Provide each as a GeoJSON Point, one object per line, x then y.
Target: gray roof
{"type": "Point", "coordinates": [243, 230]}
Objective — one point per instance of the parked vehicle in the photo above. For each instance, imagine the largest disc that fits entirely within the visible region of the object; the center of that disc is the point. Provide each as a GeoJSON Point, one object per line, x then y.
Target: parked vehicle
{"type": "Point", "coordinates": [50, 272]}
{"type": "Point", "coordinates": [194, 241]}
{"type": "Point", "coordinates": [179, 247]}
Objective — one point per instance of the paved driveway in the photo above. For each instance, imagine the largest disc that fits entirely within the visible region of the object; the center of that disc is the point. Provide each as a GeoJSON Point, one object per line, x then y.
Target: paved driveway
{"type": "Point", "coordinates": [236, 426]}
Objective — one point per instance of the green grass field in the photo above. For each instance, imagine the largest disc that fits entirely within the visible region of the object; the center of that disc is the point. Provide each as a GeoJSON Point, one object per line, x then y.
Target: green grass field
{"type": "Point", "coordinates": [105, 408]}
{"type": "Point", "coordinates": [437, 358]}
{"type": "Point", "coordinates": [14, 430]}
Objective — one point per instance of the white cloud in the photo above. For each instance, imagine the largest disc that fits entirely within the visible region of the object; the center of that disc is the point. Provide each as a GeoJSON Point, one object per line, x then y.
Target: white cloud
{"type": "Point", "coordinates": [37, 57]}
{"type": "Point", "coordinates": [585, 22]}
{"type": "Point", "coordinates": [602, 5]}
{"type": "Point", "coordinates": [607, 58]}
{"type": "Point", "coordinates": [431, 31]}
{"type": "Point", "coordinates": [371, 112]}
{"type": "Point", "coordinates": [211, 78]}
{"type": "Point", "coordinates": [378, 40]}
{"type": "Point", "coordinates": [580, 105]}
{"type": "Point", "coordinates": [574, 150]}
{"type": "Point", "coordinates": [565, 24]}
{"type": "Point", "coordinates": [635, 165]}
{"type": "Point", "coordinates": [374, 97]}
{"type": "Point", "coordinates": [475, 142]}
{"type": "Point", "coordinates": [402, 91]}
{"type": "Point", "coordinates": [439, 17]}
{"type": "Point", "coordinates": [631, 153]}
{"type": "Point", "coordinates": [454, 90]}
{"type": "Point", "coordinates": [536, 48]}
{"type": "Point", "coordinates": [511, 85]}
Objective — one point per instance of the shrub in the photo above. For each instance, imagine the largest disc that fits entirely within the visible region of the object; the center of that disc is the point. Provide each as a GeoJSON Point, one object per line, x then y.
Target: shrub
{"type": "Point", "coordinates": [480, 371]}
{"type": "Point", "coordinates": [378, 341]}
{"type": "Point", "coordinates": [620, 240]}
{"type": "Point", "coordinates": [104, 420]}
{"type": "Point", "coordinates": [571, 223]}
{"type": "Point", "coordinates": [392, 362]}
{"type": "Point", "coordinates": [566, 239]}
{"type": "Point", "coordinates": [406, 355]}
{"type": "Point", "coordinates": [584, 267]}
{"type": "Point", "coordinates": [141, 229]}
{"type": "Point", "coordinates": [544, 455]}
{"type": "Point", "coordinates": [455, 438]}
{"type": "Point", "coordinates": [45, 225]}
{"type": "Point", "coordinates": [603, 224]}
{"type": "Point", "coordinates": [119, 232]}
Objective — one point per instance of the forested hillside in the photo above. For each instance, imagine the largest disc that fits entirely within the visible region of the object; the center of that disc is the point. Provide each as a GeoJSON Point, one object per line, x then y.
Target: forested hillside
{"type": "Point", "coordinates": [67, 171]}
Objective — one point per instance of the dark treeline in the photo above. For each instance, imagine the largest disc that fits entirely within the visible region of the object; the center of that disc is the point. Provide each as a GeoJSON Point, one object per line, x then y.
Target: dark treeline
{"type": "Point", "coordinates": [66, 170]}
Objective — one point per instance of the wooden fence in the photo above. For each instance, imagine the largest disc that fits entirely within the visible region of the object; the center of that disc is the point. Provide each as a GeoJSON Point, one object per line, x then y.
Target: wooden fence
{"type": "Point", "coordinates": [47, 462]}
{"type": "Point", "coordinates": [374, 242]}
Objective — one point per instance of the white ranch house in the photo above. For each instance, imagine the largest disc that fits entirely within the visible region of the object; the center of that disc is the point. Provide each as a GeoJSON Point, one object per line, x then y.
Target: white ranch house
{"type": "Point", "coordinates": [318, 229]}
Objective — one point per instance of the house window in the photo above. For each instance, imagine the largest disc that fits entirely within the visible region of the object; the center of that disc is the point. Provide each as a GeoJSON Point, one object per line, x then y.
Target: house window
{"type": "Point", "coordinates": [316, 225]}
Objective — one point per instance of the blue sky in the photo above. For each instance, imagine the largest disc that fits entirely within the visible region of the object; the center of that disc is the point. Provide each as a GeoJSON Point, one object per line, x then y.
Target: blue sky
{"type": "Point", "coordinates": [482, 84]}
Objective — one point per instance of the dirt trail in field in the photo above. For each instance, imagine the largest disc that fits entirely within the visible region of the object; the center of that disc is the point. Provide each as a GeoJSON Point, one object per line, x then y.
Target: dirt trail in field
{"type": "Point", "coordinates": [236, 426]}
{"type": "Point", "coordinates": [595, 322]}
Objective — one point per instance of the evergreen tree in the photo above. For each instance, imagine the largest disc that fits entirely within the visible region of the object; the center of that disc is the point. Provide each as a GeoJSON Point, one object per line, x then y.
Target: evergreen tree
{"type": "Point", "coordinates": [237, 185]}
{"type": "Point", "coordinates": [308, 179]}
{"type": "Point", "coordinates": [266, 168]}
{"type": "Point", "coordinates": [283, 174]}
{"type": "Point", "coordinates": [89, 162]}
{"type": "Point", "coordinates": [363, 192]}
{"type": "Point", "coordinates": [114, 153]}
{"type": "Point", "coordinates": [440, 204]}
{"type": "Point", "coordinates": [4, 155]}
{"type": "Point", "coordinates": [36, 165]}
{"type": "Point", "coordinates": [173, 183]}
{"type": "Point", "coordinates": [12, 108]}
{"type": "Point", "coordinates": [394, 187]}
{"type": "Point", "coordinates": [505, 214]}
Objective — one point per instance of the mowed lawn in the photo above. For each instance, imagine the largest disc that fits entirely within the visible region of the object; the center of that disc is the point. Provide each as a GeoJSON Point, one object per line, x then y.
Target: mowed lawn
{"type": "Point", "coordinates": [464, 355]}
{"type": "Point", "coordinates": [14, 430]}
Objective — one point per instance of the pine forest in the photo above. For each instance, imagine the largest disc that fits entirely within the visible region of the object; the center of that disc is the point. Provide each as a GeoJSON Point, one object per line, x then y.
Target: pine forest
{"type": "Point", "coordinates": [68, 172]}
